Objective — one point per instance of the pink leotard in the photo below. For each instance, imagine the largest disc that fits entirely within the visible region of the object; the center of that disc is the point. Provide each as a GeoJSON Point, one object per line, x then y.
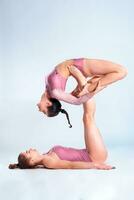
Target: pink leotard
{"type": "Point", "coordinates": [56, 83]}
{"type": "Point", "coordinates": [71, 154]}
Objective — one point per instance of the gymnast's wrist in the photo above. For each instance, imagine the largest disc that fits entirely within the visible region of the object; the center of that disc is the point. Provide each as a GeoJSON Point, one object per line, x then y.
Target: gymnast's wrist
{"type": "Point", "coordinates": [91, 165]}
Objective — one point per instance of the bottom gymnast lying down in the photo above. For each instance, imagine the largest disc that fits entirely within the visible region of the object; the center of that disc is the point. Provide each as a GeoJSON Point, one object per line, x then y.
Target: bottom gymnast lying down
{"type": "Point", "coordinates": [58, 157]}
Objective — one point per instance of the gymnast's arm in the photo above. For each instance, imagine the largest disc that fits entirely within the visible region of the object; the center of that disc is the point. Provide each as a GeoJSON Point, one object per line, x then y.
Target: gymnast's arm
{"type": "Point", "coordinates": [63, 164]}
{"type": "Point", "coordinates": [76, 73]}
{"type": "Point", "coordinates": [69, 98]}
{"type": "Point", "coordinates": [52, 163]}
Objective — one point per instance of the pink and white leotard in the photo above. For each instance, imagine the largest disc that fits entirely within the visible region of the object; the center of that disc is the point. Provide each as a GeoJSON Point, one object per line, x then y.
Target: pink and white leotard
{"type": "Point", "coordinates": [56, 83]}
{"type": "Point", "coordinates": [71, 154]}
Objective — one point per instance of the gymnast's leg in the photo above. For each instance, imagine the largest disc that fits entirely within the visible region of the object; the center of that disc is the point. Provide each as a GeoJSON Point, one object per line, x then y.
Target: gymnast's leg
{"type": "Point", "coordinates": [93, 139]}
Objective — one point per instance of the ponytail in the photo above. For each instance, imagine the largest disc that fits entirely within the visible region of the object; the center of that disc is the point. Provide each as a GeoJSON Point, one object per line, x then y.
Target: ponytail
{"type": "Point", "coordinates": [23, 163]}
{"type": "Point", "coordinates": [67, 116]}
{"type": "Point", "coordinates": [13, 166]}
{"type": "Point", "coordinates": [55, 109]}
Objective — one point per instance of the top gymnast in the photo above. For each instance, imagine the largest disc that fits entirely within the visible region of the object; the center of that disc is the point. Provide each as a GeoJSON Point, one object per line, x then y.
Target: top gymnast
{"type": "Point", "coordinates": [101, 73]}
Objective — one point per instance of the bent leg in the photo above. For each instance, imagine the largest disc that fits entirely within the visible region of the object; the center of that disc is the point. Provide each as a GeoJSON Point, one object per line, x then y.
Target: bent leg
{"type": "Point", "coordinates": [110, 72]}
{"type": "Point", "coordinates": [93, 139]}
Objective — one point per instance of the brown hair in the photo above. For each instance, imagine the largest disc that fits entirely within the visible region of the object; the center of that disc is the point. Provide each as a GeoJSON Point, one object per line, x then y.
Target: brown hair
{"type": "Point", "coordinates": [23, 163]}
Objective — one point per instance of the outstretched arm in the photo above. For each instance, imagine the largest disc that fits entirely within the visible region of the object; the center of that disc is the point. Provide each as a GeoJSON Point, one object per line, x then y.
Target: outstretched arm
{"type": "Point", "coordinates": [63, 164]}
{"type": "Point", "coordinates": [69, 98]}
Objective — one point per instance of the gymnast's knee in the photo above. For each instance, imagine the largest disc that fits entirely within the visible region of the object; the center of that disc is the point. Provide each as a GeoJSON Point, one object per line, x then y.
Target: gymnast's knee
{"type": "Point", "coordinates": [122, 72]}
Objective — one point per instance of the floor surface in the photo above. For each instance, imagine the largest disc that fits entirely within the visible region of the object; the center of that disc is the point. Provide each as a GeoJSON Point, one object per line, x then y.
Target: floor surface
{"type": "Point", "coordinates": [71, 184]}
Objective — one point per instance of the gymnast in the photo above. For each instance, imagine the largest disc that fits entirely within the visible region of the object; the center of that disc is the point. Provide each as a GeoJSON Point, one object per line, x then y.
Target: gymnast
{"type": "Point", "coordinates": [59, 157]}
{"type": "Point", "coordinates": [101, 73]}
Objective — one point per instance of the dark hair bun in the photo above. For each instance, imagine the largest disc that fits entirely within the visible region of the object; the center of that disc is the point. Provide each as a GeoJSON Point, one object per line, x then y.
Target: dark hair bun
{"type": "Point", "coordinates": [55, 108]}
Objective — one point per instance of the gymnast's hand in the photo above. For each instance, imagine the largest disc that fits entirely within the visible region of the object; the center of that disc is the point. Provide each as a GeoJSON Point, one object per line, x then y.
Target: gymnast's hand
{"type": "Point", "coordinates": [102, 166]}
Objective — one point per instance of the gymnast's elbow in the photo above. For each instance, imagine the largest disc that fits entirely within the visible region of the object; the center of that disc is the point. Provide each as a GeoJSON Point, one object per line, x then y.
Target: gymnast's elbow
{"type": "Point", "coordinates": [77, 103]}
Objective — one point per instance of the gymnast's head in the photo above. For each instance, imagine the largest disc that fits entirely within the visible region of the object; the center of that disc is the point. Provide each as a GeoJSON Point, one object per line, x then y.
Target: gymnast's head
{"type": "Point", "coordinates": [52, 107]}
{"type": "Point", "coordinates": [26, 160]}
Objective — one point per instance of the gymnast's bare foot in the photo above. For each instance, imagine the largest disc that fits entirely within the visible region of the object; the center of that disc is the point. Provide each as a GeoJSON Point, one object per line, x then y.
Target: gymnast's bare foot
{"type": "Point", "coordinates": [88, 88]}
{"type": "Point", "coordinates": [76, 91]}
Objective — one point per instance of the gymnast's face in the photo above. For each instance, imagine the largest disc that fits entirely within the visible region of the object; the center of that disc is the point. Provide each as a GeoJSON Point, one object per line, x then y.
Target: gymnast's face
{"type": "Point", "coordinates": [44, 104]}
{"type": "Point", "coordinates": [32, 155]}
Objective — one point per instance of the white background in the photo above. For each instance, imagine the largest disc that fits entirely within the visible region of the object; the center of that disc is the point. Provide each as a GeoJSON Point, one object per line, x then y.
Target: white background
{"type": "Point", "coordinates": [37, 35]}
